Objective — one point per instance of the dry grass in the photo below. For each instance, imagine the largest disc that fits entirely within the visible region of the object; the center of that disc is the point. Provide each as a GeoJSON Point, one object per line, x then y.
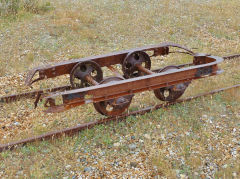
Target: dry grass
{"type": "Point", "coordinates": [73, 29]}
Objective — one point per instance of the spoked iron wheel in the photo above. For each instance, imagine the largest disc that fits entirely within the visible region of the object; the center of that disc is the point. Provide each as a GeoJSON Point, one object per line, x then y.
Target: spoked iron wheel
{"type": "Point", "coordinates": [82, 70]}
{"type": "Point", "coordinates": [131, 61]}
{"type": "Point", "coordinates": [113, 107]}
{"type": "Point", "coordinates": [170, 93]}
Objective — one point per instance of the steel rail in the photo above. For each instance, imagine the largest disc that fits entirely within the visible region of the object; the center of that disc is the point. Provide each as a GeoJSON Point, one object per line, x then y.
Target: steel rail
{"type": "Point", "coordinates": [30, 94]}
{"type": "Point", "coordinates": [72, 130]}
{"type": "Point", "coordinates": [231, 57]}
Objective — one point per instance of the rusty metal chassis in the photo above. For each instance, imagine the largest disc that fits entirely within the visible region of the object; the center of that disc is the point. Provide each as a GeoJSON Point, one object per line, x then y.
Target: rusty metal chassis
{"type": "Point", "coordinates": [203, 66]}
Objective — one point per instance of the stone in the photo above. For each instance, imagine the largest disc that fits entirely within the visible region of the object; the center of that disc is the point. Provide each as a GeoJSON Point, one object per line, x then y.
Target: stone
{"type": "Point", "coordinates": [225, 166]}
{"type": "Point", "coordinates": [234, 174]}
{"type": "Point", "coordinates": [132, 146]}
{"type": "Point", "coordinates": [68, 167]}
{"type": "Point", "coordinates": [147, 136]}
{"type": "Point", "coordinates": [204, 116]}
{"type": "Point", "coordinates": [16, 123]}
{"type": "Point", "coordinates": [116, 144]}
{"type": "Point", "coordinates": [187, 133]}
{"type": "Point", "coordinates": [116, 164]}
{"type": "Point", "coordinates": [87, 169]}
{"type": "Point", "coordinates": [20, 172]}
{"type": "Point", "coordinates": [133, 137]}
{"type": "Point", "coordinates": [83, 159]}
{"type": "Point", "coordinates": [133, 164]}
{"type": "Point", "coordinates": [183, 176]}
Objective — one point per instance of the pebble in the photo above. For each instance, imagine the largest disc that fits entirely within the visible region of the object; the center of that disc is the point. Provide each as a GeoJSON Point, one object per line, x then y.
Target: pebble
{"type": "Point", "coordinates": [234, 174]}
{"type": "Point", "coordinates": [183, 176]}
{"type": "Point", "coordinates": [116, 144]}
{"type": "Point", "coordinates": [162, 136]}
{"type": "Point", "coordinates": [87, 169]}
{"type": "Point", "coordinates": [196, 173]}
{"type": "Point", "coordinates": [147, 136]}
{"type": "Point", "coordinates": [225, 166]}
{"type": "Point", "coordinates": [133, 137]}
{"type": "Point", "coordinates": [204, 116]}
{"type": "Point", "coordinates": [68, 167]}
{"type": "Point", "coordinates": [133, 164]}
{"type": "Point", "coordinates": [116, 164]}
{"type": "Point", "coordinates": [132, 146]}
{"type": "Point", "coordinates": [82, 159]}
{"type": "Point", "coordinates": [178, 172]}
{"type": "Point", "coordinates": [16, 123]}
{"type": "Point", "coordinates": [20, 172]}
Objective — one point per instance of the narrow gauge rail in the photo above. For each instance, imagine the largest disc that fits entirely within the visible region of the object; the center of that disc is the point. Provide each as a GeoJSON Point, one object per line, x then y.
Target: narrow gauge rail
{"type": "Point", "coordinates": [73, 130]}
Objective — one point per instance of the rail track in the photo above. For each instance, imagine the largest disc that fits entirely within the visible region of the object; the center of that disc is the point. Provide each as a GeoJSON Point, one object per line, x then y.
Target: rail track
{"type": "Point", "coordinates": [73, 130]}
{"type": "Point", "coordinates": [37, 94]}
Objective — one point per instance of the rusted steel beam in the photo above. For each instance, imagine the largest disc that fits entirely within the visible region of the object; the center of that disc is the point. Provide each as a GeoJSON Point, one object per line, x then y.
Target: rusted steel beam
{"type": "Point", "coordinates": [73, 130]}
{"type": "Point", "coordinates": [65, 67]}
{"type": "Point", "coordinates": [204, 66]}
